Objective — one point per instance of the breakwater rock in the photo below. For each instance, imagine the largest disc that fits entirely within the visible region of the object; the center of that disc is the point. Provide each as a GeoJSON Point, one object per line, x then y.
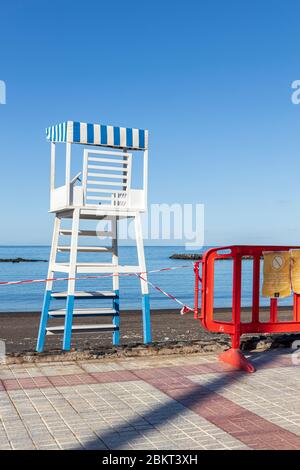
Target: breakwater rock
{"type": "Point", "coordinates": [190, 256]}
{"type": "Point", "coordinates": [196, 256]}
{"type": "Point", "coordinates": [22, 260]}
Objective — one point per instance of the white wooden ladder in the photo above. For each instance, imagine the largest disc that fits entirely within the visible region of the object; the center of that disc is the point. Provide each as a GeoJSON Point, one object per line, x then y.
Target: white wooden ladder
{"type": "Point", "coordinates": [71, 295]}
{"type": "Point", "coordinates": [73, 267]}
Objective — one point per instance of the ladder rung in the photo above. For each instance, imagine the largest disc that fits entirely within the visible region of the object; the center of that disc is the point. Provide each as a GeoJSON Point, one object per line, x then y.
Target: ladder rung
{"type": "Point", "coordinates": [99, 268]}
{"type": "Point", "coordinates": [109, 160]}
{"type": "Point", "coordinates": [54, 330]}
{"type": "Point", "coordinates": [106, 191]}
{"type": "Point", "coordinates": [86, 295]}
{"type": "Point", "coordinates": [84, 312]}
{"type": "Point", "coordinates": [106, 183]}
{"type": "Point", "coordinates": [108, 168]}
{"type": "Point", "coordinates": [107, 175]}
{"type": "Point", "coordinates": [87, 233]}
{"type": "Point", "coordinates": [86, 248]}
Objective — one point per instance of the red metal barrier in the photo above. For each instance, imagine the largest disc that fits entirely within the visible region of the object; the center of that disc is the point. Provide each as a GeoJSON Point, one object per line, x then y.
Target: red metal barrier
{"type": "Point", "coordinates": [235, 327]}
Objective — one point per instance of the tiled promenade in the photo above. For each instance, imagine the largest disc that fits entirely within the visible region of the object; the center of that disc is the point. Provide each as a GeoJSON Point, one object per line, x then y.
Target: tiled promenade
{"type": "Point", "coordinates": [167, 402]}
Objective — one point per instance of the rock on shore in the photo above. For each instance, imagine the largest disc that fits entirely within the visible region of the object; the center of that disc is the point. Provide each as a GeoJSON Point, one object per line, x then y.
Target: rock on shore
{"type": "Point", "coordinates": [22, 260]}
{"type": "Point", "coordinates": [190, 256]}
{"type": "Point", "coordinates": [197, 256]}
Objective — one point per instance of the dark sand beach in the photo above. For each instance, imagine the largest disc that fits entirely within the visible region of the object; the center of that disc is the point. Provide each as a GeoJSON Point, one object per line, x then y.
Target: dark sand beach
{"type": "Point", "coordinates": [19, 330]}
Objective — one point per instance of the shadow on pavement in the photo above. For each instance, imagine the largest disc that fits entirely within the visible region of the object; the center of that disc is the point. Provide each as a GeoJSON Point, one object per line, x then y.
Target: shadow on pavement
{"type": "Point", "coordinates": [194, 395]}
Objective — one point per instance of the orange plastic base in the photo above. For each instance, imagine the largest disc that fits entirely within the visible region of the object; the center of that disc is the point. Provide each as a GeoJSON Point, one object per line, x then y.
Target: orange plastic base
{"type": "Point", "coordinates": [235, 358]}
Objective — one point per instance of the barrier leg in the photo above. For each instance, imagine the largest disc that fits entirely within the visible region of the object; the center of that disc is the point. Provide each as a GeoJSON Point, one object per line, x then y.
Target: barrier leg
{"type": "Point", "coordinates": [235, 357]}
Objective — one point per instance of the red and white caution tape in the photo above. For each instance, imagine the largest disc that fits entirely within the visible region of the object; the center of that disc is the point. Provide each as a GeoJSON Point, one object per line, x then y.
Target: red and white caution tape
{"type": "Point", "coordinates": [184, 309]}
{"type": "Point", "coordinates": [31, 281]}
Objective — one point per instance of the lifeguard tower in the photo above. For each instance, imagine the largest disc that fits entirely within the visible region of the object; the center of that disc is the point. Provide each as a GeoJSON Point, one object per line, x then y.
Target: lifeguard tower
{"type": "Point", "coordinates": [102, 190]}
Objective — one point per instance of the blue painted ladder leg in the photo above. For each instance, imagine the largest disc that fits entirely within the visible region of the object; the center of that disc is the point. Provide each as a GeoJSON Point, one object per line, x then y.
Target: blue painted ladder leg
{"type": "Point", "coordinates": [144, 287]}
{"type": "Point", "coordinates": [43, 321]}
{"type": "Point", "coordinates": [116, 318]}
{"type": "Point", "coordinates": [68, 323]}
{"type": "Point", "coordinates": [146, 319]}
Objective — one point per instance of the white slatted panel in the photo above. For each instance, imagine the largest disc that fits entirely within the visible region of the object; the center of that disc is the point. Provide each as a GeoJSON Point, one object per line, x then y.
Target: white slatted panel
{"type": "Point", "coordinates": [106, 178]}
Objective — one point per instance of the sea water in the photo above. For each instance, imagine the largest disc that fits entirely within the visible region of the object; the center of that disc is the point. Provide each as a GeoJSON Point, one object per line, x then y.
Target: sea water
{"type": "Point", "coordinates": [179, 282]}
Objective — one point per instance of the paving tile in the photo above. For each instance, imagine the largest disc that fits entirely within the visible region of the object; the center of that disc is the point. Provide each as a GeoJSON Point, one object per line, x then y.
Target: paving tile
{"type": "Point", "coordinates": [150, 403]}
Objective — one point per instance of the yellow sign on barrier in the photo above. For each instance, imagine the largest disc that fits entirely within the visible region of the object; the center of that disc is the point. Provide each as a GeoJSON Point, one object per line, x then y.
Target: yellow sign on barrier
{"type": "Point", "coordinates": [295, 270]}
{"type": "Point", "coordinates": [277, 274]}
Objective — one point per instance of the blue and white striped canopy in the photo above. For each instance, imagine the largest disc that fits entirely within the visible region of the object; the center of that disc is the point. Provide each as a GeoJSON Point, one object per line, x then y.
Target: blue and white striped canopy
{"type": "Point", "coordinates": [98, 134]}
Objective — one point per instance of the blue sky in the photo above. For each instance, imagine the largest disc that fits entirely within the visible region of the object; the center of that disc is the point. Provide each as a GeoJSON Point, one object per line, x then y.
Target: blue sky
{"type": "Point", "coordinates": [210, 80]}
